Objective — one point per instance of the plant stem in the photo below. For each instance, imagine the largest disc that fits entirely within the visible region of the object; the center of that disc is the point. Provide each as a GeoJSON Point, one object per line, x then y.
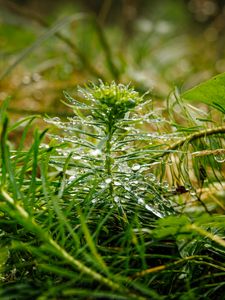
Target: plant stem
{"type": "Point", "coordinates": [108, 160]}
{"type": "Point", "coordinates": [108, 155]}
{"type": "Point", "coordinates": [166, 266]}
{"type": "Point", "coordinates": [190, 138]}
{"type": "Point", "coordinates": [196, 135]}
{"type": "Point", "coordinates": [214, 237]}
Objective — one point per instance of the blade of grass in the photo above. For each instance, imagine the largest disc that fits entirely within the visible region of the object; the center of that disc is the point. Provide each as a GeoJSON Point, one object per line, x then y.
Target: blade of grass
{"type": "Point", "coordinates": [3, 109]}
{"type": "Point", "coordinates": [3, 149]}
{"type": "Point", "coordinates": [6, 162]}
{"type": "Point", "coordinates": [207, 234]}
{"type": "Point", "coordinates": [90, 241]}
{"type": "Point", "coordinates": [16, 211]}
{"type": "Point", "coordinates": [24, 120]}
{"type": "Point", "coordinates": [36, 144]}
{"type": "Point", "coordinates": [50, 32]}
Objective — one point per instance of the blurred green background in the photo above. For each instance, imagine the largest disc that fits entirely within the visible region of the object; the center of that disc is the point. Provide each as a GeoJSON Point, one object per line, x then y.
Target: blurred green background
{"type": "Point", "coordinates": [50, 46]}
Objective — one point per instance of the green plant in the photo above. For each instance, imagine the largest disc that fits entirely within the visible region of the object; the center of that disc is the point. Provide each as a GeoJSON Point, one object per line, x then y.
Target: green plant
{"type": "Point", "coordinates": [101, 209]}
{"type": "Point", "coordinates": [105, 143]}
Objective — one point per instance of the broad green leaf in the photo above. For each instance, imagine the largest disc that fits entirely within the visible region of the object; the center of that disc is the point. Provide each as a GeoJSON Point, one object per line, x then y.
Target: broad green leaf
{"type": "Point", "coordinates": [211, 92]}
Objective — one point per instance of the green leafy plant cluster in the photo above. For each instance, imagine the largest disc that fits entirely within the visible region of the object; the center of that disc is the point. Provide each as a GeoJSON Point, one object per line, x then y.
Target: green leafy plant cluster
{"type": "Point", "coordinates": [109, 203]}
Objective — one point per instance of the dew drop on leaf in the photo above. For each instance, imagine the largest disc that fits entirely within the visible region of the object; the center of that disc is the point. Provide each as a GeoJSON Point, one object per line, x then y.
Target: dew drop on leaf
{"type": "Point", "coordinates": [96, 152]}
{"type": "Point", "coordinates": [151, 177]}
{"type": "Point", "coordinates": [127, 188]}
{"type": "Point", "coordinates": [220, 158]}
{"type": "Point", "coordinates": [77, 157]}
{"type": "Point", "coordinates": [116, 199]}
{"type": "Point", "coordinates": [135, 167]}
{"type": "Point", "coordinates": [71, 178]}
{"type": "Point", "coordinates": [117, 183]}
{"type": "Point", "coordinates": [134, 182]}
{"type": "Point", "coordinates": [165, 185]}
{"type": "Point", "coordinates": [140, 201]}
{"type": "Point", "coordinates": [142, 188]}
{"type": "Point", "coordinates": [108, 180]}
{"type": "Point", "coordinates": [154, 211]}
{"type": "Point", "coordinates": [56, 119]}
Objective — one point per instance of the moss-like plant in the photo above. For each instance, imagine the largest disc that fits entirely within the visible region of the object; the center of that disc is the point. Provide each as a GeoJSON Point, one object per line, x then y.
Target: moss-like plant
{"type": "Point", "coordinates": [106, 143]}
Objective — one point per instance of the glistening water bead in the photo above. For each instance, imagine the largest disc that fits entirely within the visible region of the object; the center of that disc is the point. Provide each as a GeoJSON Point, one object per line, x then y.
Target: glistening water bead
{"type": "Point", "coordinates": [108, 180]}
{"type": "Point", "coordinates": [136, 167]}
{"type": "Point", "coordinates": [116, 199]}
{"type": "Point", "coordinates": [220, 158]}
{"type": "Point", "coordinates": [103, 139]}
{"type": "Point", "coordinates": [96, 152]}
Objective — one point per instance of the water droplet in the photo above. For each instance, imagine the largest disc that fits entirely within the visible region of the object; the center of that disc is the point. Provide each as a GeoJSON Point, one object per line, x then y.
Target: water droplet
{"type": "Point", "coordinates": [155, 212]}
{"type": "Point", "coordinates": [135, 167]}
{"type": "Point", "coordinates": [61, 152]}
{"type": "Point", "coordinates": [116, 199]}
{"type": "Point", "coordinates": [187, 186]}
{"type": "Point", "coordinates": [108, 180]}
{"type": "Point", "coordinates": [165, 185]}
{"type": "Point", "coordinates": [89, 118]}
{"type": "Point", "coordinates": [151, 177]}
{"type": "Point", "coordinates": [123, 168]}
{"type": "Point", "coordinates": [44, 146]}
{"type": "Point", "coordinates": [220, 158]}
{"type": "Point", "coordinates": [134, 182]}
{"type": "Point", "coordinates": [127, 188]}
{"type": "Point", "coordinates": [142, 188]}
{"type": "Point", "coordinates": [102, 185]}
{"type": "Point", "coordinates": [56, 119]}
{"type": "Point", "coordinates": [141, 201]}
{"type": "Point", "coordinates": [71, 178]}
{"type": "Point", "coordinates": [117, 183]}
{"type": "Point", "coordinates": [96, 152]}
{"type": "Point", "coordinates": [77, 157]}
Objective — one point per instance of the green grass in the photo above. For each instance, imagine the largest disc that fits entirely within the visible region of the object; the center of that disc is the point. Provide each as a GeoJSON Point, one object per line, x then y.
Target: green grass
{"type": "Point", "coordinates": [113, 203]}
{"type": "Point", "coordinates": [121, 198]}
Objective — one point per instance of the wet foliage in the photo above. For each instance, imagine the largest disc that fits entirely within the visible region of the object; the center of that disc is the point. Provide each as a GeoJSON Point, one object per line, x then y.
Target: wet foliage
{"type": "Point", "coordinates": [117, 191]}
